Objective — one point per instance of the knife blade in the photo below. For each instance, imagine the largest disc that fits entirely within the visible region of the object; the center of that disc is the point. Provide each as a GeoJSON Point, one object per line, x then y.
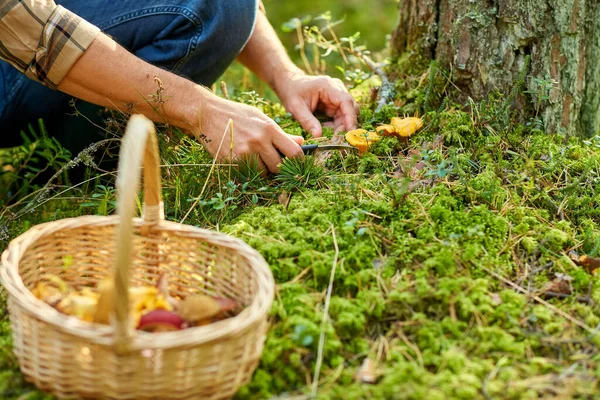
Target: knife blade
{"type": "Point", "coordinates": [311, 148]}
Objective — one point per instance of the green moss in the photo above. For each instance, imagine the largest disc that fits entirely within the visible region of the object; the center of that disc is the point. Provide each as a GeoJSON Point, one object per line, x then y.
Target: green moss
{"type": "Point", "coordinates": [412, 288]}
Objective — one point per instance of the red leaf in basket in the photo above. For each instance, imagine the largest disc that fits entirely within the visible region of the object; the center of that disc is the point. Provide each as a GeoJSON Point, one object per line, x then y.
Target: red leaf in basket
{"type": "Point", "coordinates": [160, 321]}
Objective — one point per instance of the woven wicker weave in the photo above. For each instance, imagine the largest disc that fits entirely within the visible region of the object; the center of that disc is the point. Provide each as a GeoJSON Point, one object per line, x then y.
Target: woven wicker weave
{"type": "Point", "coordinates": [76, 359]}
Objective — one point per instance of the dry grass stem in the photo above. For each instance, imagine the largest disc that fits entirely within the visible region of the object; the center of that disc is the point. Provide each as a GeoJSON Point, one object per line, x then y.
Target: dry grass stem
{"type": "Point", "coordinates": [315, 383]}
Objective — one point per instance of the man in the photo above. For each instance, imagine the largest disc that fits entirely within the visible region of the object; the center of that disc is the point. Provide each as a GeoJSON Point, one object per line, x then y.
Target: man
{"type": "Point", "coordinates": [70, 47]}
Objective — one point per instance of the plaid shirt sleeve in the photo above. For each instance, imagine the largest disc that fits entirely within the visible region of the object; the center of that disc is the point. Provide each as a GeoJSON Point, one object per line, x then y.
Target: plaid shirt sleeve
{"type": "Point", "coordinates": [41, 39]}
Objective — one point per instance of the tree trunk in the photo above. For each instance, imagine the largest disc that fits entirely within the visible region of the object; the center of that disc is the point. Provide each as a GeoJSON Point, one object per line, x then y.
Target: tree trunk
{"type": "Point", "coordinates": [485, 44]}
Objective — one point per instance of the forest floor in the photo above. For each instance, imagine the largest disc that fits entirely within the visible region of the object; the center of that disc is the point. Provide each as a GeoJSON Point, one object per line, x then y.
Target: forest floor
{"type": "Point", "coordinates": [453, 253]}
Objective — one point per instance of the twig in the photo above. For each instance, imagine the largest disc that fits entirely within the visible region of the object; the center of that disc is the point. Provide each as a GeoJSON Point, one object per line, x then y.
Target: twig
{"type": "Point", "coordinates": [301, 274]}
{"type": "Point", "coordinates": [541, 301]}
{"type": "Point", "coordinates": [337, 43]}
{"type": "Point", "coordinates": [386, 92]}
{"type": "Point", "coordinates": [580, 299]}
{"type": "Point", "coordinates": [301, 46]}
{"type": "Point", "coordinates": [315, 384]}
{"type": "Point", "coordinates": [224, 90]}
{"type": "Point", "coordinates": [37, 196]}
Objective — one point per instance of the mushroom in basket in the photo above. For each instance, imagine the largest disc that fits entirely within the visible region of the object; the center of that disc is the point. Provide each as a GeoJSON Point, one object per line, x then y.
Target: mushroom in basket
{"type": "Point", "coordinates": [152, 308]}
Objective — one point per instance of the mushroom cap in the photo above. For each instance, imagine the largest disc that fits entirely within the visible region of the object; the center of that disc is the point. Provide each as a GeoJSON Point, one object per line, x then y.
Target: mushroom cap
{"type": "Point", "coordinates": [82, 307]}
{"type": "Point", "coordinates": [226, 304]}
{"type": "Point", "coordinates": [160, 321]}
{"type": "Point", "coordinates": [198, 307]}
{"type": "Point", "coordinates": [361, 139]}
{"type": "Point", "coordinates": [406, 127]}
{"type": "Point", "coordinates": [386, 130]}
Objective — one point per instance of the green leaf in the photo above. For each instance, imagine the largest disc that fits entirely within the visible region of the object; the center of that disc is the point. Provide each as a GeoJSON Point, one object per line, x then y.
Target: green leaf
{"type": "Point", "coordinates": [306, 19]}
{"type": "Point", "coordinates": [291, 25]}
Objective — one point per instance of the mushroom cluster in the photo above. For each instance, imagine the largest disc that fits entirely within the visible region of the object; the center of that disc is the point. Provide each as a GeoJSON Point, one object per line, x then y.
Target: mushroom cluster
{"type": "Point", "coordinates": [402, 128]}
{"type": "Point", "coordinates": [151, 308]}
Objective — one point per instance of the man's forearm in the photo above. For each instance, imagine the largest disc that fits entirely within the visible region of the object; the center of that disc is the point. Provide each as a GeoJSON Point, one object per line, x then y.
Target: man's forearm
{"type": "Point", "coordinates": [109, 75]}
{"type": "Point", "coordinates": [265, 55]}
{"type": "Point", "coordinates": [126, 81]}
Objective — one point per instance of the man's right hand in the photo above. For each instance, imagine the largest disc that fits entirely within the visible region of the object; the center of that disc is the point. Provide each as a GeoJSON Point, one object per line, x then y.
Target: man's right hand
{"type": "Point", "coordinates": [119, 83]}
{"type": "Point", "coordinates": [253, 133]}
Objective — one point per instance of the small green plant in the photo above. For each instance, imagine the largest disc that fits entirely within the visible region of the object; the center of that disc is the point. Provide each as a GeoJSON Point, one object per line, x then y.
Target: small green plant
{"type": "Point", "coordinates": [322, 37]}
{"type": "Point", "coordinates": [540, 91]}
{"type": "Point", "coordinates": [24, 169]}
{"type": "Point", "coordinates": [441, 170]}
{"type": "Point", "coordinates": [252, 98]}
{"type": "Point", "coordinates": [295, 25]}
{"type": "Point", "coordinates": [295, 174]}
{"type": "Point", "coordinates": [103, 200]}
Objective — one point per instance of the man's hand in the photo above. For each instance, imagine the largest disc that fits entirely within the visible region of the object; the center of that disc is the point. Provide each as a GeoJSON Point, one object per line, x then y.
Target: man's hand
{"type": "Point", "coordinates": [253, 133]}
{"type": "Point", "coordinates": [302, 95]}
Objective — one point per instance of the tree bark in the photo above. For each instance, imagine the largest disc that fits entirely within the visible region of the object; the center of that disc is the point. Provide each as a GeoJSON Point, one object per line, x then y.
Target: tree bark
{"type": "Point", "coordinates": [485, 44]}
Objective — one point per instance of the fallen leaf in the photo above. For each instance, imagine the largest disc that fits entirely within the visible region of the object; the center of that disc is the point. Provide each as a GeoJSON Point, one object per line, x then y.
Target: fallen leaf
{"type": "Point", "coordinates": [560, 285]}
{"type": "Point", "coordinates": [590, 264]}
{"type": "Point", "coordinates": [496, 299]}
{"type": "Point", "coordinates": [284, 198]}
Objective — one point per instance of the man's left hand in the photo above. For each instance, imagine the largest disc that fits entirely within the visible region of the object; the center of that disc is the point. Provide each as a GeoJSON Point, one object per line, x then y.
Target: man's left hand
{"type": "Point", "coordinates": [302, 95]}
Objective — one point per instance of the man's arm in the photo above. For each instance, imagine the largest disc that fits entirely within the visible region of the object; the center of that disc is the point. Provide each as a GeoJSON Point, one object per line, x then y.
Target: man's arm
{"type": "Point", "coordinates": [127, 81]}
{"type": "Point", "coordinates": [265, 55]}
{"type": "Point", "coordinates": [301, 94]}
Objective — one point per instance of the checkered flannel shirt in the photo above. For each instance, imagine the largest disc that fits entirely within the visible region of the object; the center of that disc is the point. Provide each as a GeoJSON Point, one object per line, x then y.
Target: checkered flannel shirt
{"type": "Point", "coordinates": [41, 39]}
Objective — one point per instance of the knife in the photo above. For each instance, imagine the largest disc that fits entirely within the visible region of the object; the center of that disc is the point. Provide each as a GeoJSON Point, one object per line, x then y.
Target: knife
{"type": "Point", "coordinates": [311, 148]}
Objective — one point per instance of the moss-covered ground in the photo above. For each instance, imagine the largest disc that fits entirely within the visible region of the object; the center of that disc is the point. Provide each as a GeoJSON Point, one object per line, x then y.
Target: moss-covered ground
{"type": "Point", "coordinates": [451, 253]}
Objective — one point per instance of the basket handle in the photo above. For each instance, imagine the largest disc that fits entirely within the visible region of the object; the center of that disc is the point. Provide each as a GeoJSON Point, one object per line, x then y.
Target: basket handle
{"type": "Point", "coordinates": [139, 148]}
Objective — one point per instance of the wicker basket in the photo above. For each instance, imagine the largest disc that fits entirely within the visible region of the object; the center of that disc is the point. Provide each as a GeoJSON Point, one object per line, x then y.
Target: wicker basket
{"type": "Point", "coordinates": [76, 359]}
